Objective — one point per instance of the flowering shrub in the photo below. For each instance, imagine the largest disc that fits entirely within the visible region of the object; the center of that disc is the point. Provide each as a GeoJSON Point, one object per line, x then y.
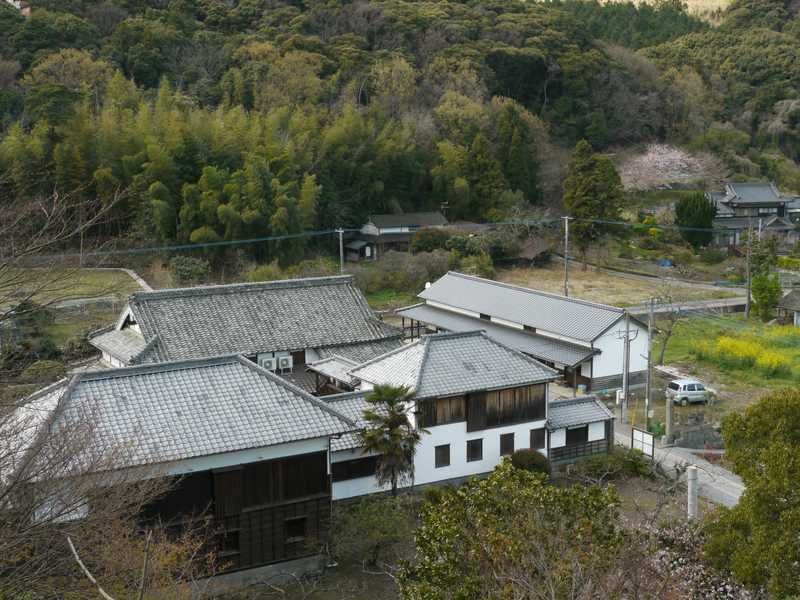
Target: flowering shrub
{"type": "Point", "coordinates": [749, 352]}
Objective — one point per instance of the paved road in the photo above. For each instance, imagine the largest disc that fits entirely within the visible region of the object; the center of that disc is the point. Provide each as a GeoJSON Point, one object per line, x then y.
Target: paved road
{"type": "Point", "coordinates": [717, 484]}
{"type": "Point", "coordinates": [725, 305]}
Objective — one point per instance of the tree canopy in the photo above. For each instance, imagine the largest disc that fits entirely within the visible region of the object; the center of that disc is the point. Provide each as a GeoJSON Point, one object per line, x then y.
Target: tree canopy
{"type": "Point", "coordinates": [757, 539]}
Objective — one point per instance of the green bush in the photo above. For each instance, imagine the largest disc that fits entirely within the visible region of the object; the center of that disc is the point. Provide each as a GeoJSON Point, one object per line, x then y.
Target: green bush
{"type": "Point", "coordinates": [187, 269]}
{"type": "Point", "coordinates": [403, 272]}
{"type": "Point", "coordinates": [43, 371]}
{"type": "Point", "coordinates": [480, 265]}
{"type": "Point", "coordinates": [712, 256]}
{"type": "Point", "coordinates": [429, 239]}
{"type": "Point", "coordinates": [77, 347]}
{"type": "Point", "coordinates": [531, 460]}
{"type": "Point", "coordinates": [620, 463]}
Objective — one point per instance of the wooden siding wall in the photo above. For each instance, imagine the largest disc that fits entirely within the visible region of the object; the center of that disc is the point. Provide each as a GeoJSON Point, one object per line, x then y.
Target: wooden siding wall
{"type": "Point", "coordinates": [251, 505]}
{"type": "Point", "coordinates": [506, 407]}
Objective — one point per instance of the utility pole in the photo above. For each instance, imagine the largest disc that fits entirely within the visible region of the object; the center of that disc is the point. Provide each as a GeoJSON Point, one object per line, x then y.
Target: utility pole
{"type": "Point", "coordinates": [749, 255]}
{"type": "Point", "coordinates": [566, 255]}
{"type": "Point", "coordinates": [626, 368]}
{"type": "Point", "coordinates": [648, 393]}
{"type": "Point", "coordinates": [340, 231]}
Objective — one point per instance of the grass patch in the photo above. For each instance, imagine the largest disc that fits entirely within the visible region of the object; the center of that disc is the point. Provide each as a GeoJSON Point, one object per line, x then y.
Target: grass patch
{"type": "Point", "coordinates": [600, 286]}
{"type": "Point", "coordinates": [746, 352]}
{"type": "Point", "coordinates": [76, 283]}
{"type": "Point", "coordinates": [70, 323]}
{"type": "Point", "coordinates": [390, 299]}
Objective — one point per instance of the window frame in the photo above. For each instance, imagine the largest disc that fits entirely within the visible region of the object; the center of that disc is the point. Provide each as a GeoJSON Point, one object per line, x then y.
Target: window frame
{"type": "Point", "coordinates": [544, 438]}
{"type": "Point", "coordinates": [440, 464]}
{"type": "Point", "coordinates": [472, 443]}
{"type": "Point", "coordinates": [503, 438]}
{"type": "Point", "coordinates": [293, 539]}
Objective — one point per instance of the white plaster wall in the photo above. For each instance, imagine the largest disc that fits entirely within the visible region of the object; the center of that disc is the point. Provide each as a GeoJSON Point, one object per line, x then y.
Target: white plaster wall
{"type": "Point", "coordinates": [241, 457]}
{"type": "Point", "coordinates": [354, 487]}
{"type": "Point", "coordinates": [111, 361]}
{"type": "Point", "coordinates": [456, 435]}
{"type": "Point", "coordinates": [500, 321]}
{"type": "Point", "coordinates": [597, 431]}
{"type": "Point", "coordinates": [370, 229]}
{"type": "Point", "coordinates": [558, 438]}
{"type": "Point", "coordinates": [454, 309]}
{"type": "Point", "coordinates": [612, 350]}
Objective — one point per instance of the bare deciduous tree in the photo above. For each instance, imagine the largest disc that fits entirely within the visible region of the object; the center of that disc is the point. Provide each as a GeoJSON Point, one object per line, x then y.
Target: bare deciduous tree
{"type": "Point", "coordinates": [36, 237]}
{"type": "Point", "coordinates": [57, 480]}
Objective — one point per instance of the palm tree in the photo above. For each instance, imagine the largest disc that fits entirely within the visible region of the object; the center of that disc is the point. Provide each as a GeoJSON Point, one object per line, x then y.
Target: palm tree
{"type": "Point", "coordinates": [390, 435]}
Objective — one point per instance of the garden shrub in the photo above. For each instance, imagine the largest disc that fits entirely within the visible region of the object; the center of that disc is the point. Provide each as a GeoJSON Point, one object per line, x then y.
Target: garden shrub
{"type": "Point", "coordinates": [268, 272]}
{"type": "Point", "coordinates": [429, 239]}
{"type": "Point", "coordinates": [43, 371]}
{"type": "Point", "coordinates": [480, 265]}
{"type": "Point", "coordinates": [712, 256]}
{"type": "Point", "coordinates": [620, 463]}
{"type": "Point", "coordinates": [77, 347]}
{"type": "Point", "coordinates": [188, 269]}
{"type": "Point", "coordinates": [531, 460]}
{"type": "Point", "coordinates": [403, 272]}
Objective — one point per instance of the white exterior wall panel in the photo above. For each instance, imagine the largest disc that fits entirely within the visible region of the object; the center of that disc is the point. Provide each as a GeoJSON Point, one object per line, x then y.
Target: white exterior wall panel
{"type": "Point", "coordinates": [612, 350]}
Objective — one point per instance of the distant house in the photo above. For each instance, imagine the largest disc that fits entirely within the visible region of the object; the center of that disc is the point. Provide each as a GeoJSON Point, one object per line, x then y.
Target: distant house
{"type": "Point", "coordinates": [243, 445]}
{"type": "Point", "coordinates": [385, 232]}
{"type": "Point", "coordinates": [583, 340]}
{"type": "Point", "coordinates": [742, 206]}
{"type": "Point", "coordinates": [477, 400]}
{"type": "Point", "coordinates": [281, 325]}
{"type": "Point", "coordinates": [789, 307]}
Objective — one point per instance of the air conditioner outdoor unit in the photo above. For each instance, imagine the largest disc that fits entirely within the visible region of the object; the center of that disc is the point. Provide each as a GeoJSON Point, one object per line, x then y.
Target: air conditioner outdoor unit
{"type": "Point", "coordinates": [270, 363]}
{"type": "Point", "coordinates": [285, 363]}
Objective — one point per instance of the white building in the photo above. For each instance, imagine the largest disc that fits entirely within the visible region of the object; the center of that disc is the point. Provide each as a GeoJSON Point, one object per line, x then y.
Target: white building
{"type": "Point", "coordinates": [583, 340]}
{"type": "Point", "coordinates": [477, 400]}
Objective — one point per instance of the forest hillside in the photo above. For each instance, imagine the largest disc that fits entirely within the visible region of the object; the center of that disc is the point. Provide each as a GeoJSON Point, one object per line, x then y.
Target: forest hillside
{"type": "Point", "coordinates": [227, 119]}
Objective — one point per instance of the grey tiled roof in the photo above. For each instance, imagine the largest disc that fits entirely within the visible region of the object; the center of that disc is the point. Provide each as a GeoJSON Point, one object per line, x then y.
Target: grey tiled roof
{"type": "Point", "coordinates": [362, 352]}
{"type": "Point", "coordinates": [336, 367]}
{"type": "Point", "coordinates": [257, 317]}
{"type": "Point", "coordinates": [753, 193]}
{"type": "Point", "coordinates": [351, 405]}
{"type": "Point", "coordinates": [418, 219]}
{"type": "Point", "coordinates": [576, 411]}
{"type": "Point", "coordinates": [124, 344]}
{"type": "Point", "coordinates": [538, 346]}
{"type": "Point", "coordinates": [180, 410]}
{"type": "Point", "coordinates": [791, 301]}
{"type": "Point", "coordinates": [454, 363]}
{"type": "Point", "coordinates": [569, 317]}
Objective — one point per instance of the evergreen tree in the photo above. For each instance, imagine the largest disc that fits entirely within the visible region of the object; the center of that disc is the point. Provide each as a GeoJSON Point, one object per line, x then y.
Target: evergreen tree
{"type": "Point", "coordinates": [592, 194]}
{"type": "Point", "coordinates": [485, 177]}
{"type": "Point", "coordinates": [390, 435]}
{"type": "Point", "coordinates": [695, 212]}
